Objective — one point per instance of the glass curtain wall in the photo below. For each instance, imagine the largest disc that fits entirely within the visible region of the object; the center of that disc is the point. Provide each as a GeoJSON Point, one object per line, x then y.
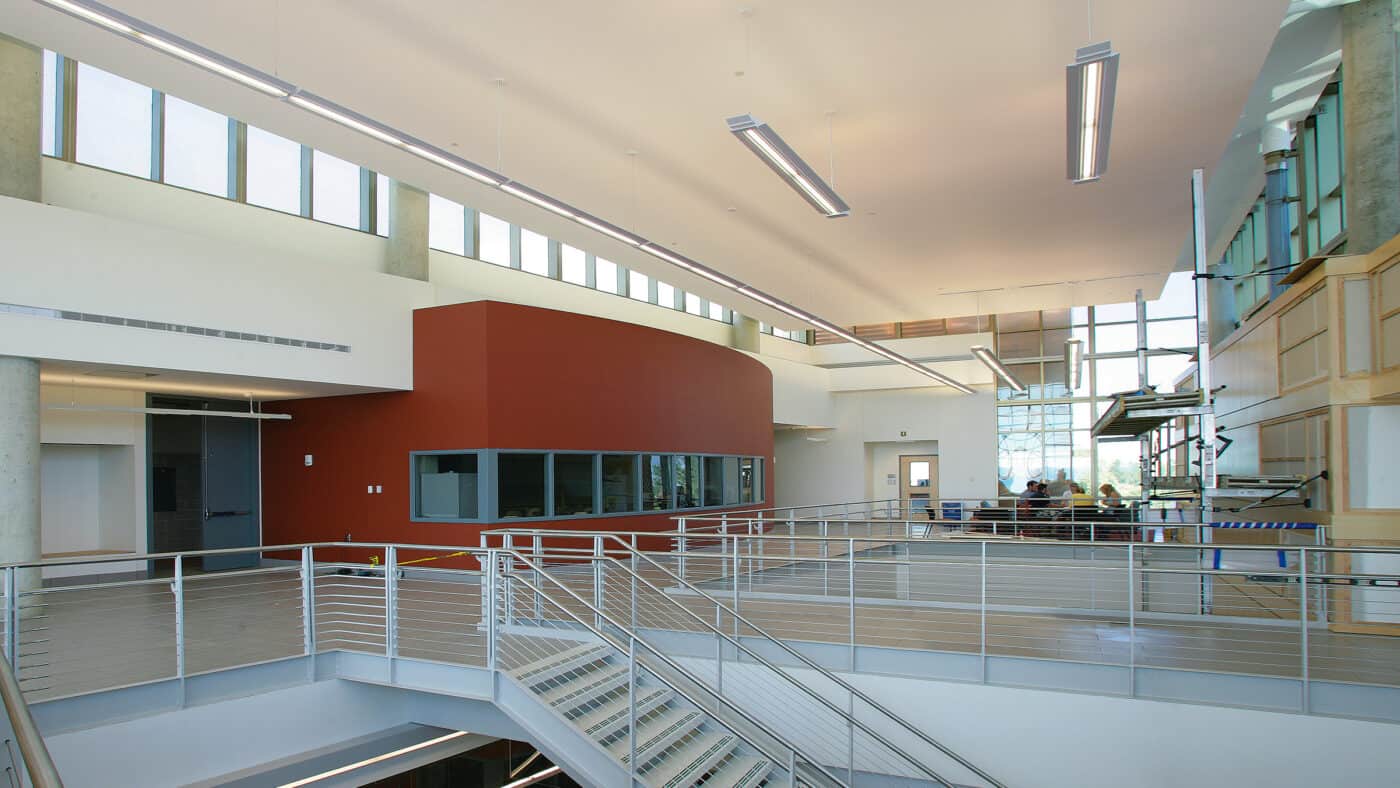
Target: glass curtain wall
{"type": "Point", "coordinates": [1043, 432]}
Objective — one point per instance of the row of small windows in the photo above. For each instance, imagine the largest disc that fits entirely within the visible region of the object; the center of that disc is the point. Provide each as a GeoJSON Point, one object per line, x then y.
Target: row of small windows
{"type": "Point", "coordinates": [126, 127]}
{"type": "Point", "coordinates": [487, 485]}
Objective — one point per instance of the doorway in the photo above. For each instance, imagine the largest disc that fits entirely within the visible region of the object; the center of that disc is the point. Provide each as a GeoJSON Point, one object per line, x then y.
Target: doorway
{"type": "Point", "coordinates": [918, 480]}
{"type": "Point", "coordinates": [203, 481]}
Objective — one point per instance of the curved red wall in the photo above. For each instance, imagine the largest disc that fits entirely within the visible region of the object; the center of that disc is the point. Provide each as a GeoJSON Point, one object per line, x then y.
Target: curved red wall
{"type": "Point", "coordinates": [494, 375]}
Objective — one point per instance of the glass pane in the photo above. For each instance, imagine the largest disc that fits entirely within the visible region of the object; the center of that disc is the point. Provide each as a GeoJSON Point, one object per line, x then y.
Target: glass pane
{"type": "Point", "coordinates": [747, 479]}
{"type": "Point", "coordinates": [381, 204]}
{"type": "Point", "coordinates": [520, 485]}
{"type": "Point", "coordinates": [731, 480]}
{"type": "Point", "coordinates": [494, 239]}
{"type": "Point", "coordinates": [1163, 370]}
{"type": "Point", "coordinates": [196, 147]}
{"type": "Point", "coordinates": [1172, 334]}
{"type": "Point", "coordinates": [1116, 338]}
{"type": "Point", "coordinates": [619, 483]}
{"type": "Point", "coordinates": [1018, 321]}
{"type": "Point", "coordinates": [335, 191]}
{"type": "Point", "coordinates": [1118, 465]}
{"type": "Point", "coordinates": [605, 275]}
{"type": "Point", "coordinates": [274, 171]}
{"type": "Point", "coordinates": [534, 253]}
{"type": "Point", "coordinates": [692, 303]}
{"type": "Point", "coordinates": [1028, 374]}
{"type": "Point", "coordinates": [1115, 375]}
{"type": "Point", "coordinates": [1022, 344]}
{"type": "Point", "coordinates": [1115, 313]}
{"type": "Point", "coordinates": [687, 479]}
{"type": "Point", "coordinates": [637, 286]}
{"type": "Point", "coordinates": [1055, 318]}
{"type": "Point", "coordinates": [447, 485]}
{"type": "Point", "coordinates": [46, 113]}
{"type": "Point", "coordinates": [656, 482]}
{"type": "Point", "coordinates": [573, 484]}
{"type": "Point", "coordinates": [447, 225]}
{"type": "Point", "coordinates": [665, 295]}
{"type": "Point", "coordinates": [114, 122]}
{"type": "Point", "coordinates": [714, 481]}
{"type": "Point", "coordinates": [918, 473]}
{"type": "Point", "coordinates": [1020, 458]}
{"type": "Point", "coordinates": [716, 312]}
{"type": "Point", "coordinates": [573, 265]}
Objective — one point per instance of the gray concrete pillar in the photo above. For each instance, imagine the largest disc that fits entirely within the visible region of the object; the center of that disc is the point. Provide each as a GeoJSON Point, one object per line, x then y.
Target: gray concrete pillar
{"type": "Point", "coordinates": [1369, 115]}
{"type": "Point", "coordinates": [407, 251]}
{"type": "Point", "coordinates": [21, 119]}
{"type": "Point", "coordinates": [19, 464]}
{"type": "Point", "coordinates": [745, 333]}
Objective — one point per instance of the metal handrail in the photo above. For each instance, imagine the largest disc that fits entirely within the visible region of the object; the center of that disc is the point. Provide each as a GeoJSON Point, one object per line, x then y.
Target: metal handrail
{"type": "Point", "coordinates": [33, 750]}
{"type": "Point", "coordinates": [670, 663]}
{"type": "Point", "coordinates": [971, 539]}
{"type": "Point", "coordinates": [808, 663]}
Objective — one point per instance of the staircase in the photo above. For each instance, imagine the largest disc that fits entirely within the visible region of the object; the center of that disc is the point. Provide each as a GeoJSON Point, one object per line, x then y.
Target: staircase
{"type": "Point", "coordinates": [676, 744]}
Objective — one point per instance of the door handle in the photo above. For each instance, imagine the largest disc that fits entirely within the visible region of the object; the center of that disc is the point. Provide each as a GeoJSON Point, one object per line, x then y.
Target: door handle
{"type": "Point", "coordinates": [208, 515]}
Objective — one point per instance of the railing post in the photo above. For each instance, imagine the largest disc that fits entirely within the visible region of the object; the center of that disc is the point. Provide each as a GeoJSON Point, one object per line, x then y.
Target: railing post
{"type": "Point", "coordinates": [308, 603]}
{"type": "Point", "coordinates": [826, 565]}
{"type": "Point", "coordinates": [632, 617]}
{"type": "Point", "coordinates": [738, 567]}
{"type": "Point", "coordinates": [851, 592]}
{"type": "Point", "coordinates": [719, 658]}
{"type": "Point", "coordinates": [536, 550]}
{"type": "Point", "coordinates": [792, 768]}
{"type": "Point", "coordinates": [632, 708]}
{"type": "Point", "coordinates": [1132, 624]}
{"type": "Point", "coordinates": [391, 601]}
{"type": "Point", "coordinates": [11, 620]}
{"type": "Point", "coordinates": [490, 590]}
{"type": "Point", "coordinates": [680, 562]}
{"type": "Point", "coordinates": [1303, 626]}
{"type": "Point", "coordinates": [178, 587]}
{"type": "Point", "coordinates": [982, 608]}
{"type": "Point", "coordinates": [598, 588]}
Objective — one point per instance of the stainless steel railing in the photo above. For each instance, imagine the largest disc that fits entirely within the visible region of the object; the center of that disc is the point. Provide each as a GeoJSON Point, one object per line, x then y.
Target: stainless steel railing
{"type": "Point", "coordinates": [34, 758]}
{"type": "Point", "coordinates": [621, 577]}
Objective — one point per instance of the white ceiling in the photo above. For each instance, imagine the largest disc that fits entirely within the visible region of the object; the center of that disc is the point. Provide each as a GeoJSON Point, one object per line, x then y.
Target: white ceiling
{"type": "Point", "coordinates": [948, 133]}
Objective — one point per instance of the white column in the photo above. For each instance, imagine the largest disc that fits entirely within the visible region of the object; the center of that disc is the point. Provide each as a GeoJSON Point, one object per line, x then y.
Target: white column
{"type": "Point", "coordinates": [19, 464]}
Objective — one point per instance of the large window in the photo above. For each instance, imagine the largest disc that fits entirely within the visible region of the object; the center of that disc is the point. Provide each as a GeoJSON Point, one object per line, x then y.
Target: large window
{"type": "Point", "coordinates": [274, 171]}
{"type": "Point", "coordinates": [335, 190]}
{"type": "Point", "coordinates": [114, 122]}
{"type": "Point", "coordinates": [196, 147]}
{"type": "Point", "coordinates": [446, 486]}
{"type": "Point", "coordinates": [687, 480]}
{"type": "Point", "coordinates": [127, 127]}
{"type": "Point", "coordinates": [750, 485]}
{"type": "Point", "coordinates": [656, 482]}
{"type": "Point", "coordinates": [714, 481]}
{"type": "Point", "coordinates": [520, 485]}
{"type": "Point", "coordinates": [619, 483]}
{"type": "Point", "coordinates": [1043, 433]}
{"type": "Point", "coordinates": [573, 484]}
{"type": "Point", "coordinates": [447, 223]}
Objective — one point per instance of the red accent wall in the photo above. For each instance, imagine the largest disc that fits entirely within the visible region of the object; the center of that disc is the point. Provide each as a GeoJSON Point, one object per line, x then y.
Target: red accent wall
{"type": "Point", "coordinates": [495, 375]}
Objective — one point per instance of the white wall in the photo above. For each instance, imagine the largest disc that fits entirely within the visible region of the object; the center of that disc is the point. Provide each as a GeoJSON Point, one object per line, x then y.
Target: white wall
{"type": "Point", "coordinates": [93, 472]}
{"type": "Point", "coordinates": [882, 462]}
{"type": "Point", "coordinates": [1071, 740]}
{"type": "Point", "coordinates": [834, 467]}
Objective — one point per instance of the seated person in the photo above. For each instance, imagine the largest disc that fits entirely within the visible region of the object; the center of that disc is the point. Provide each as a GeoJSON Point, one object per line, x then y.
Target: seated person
{"type": "Point", "coordinates": [1041, 498]}
{"type": "Point", "coordinates": [1110, 497]}
{"type": "Point", "coordinates": [1078, 498]}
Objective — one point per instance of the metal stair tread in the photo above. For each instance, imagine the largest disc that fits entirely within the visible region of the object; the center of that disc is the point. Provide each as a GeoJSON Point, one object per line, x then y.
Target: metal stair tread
{"type": "Point", "coordinates": [584, 688]}
{"type": "Point", "coordinates": [657, 733]}
{"type": "Point", "coordinates": [741, 771]}
{"type": "Point", "coordinates": [686, 765]}
{"type": "Point", "coordinates": [542, 670]}
{"type": "Point", "coordinates": [604, 721]}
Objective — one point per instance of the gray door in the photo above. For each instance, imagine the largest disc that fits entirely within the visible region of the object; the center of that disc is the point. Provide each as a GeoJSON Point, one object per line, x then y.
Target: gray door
{"type": "Point", "coordinates": [230, 491]}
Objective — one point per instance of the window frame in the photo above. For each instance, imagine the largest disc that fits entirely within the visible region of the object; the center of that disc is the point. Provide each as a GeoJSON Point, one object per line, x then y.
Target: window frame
{"type": "Point", "coordinates": [414, 496]}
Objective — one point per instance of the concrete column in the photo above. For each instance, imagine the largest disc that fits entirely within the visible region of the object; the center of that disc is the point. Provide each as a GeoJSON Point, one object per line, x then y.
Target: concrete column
{"type": "Point", "coordinates": [1369, 115]}
{"type": "Point", "coordinates": [745, 333]}
{"type": "Point", "coordinates": [407, 252]}
{"type": "Point", "coordinates": [19, 464]}
{"type": "Point", "coordinates": [21, 119]}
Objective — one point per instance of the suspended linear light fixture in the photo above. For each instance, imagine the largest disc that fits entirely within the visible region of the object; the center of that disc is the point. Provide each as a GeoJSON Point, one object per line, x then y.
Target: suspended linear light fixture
{"type": "Point", "coordinates": [990, 360]}
{"type": "Point", "coordinates": [1074, 364]}
{"type": "Point", "coordinates": [762, 140]}
{"type": "Point", "coordinates": [1090, 83]}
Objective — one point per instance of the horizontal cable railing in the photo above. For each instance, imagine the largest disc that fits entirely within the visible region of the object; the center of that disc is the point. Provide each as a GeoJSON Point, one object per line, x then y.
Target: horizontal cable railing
{"type": "Point", "coordinates": [622, 579]}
